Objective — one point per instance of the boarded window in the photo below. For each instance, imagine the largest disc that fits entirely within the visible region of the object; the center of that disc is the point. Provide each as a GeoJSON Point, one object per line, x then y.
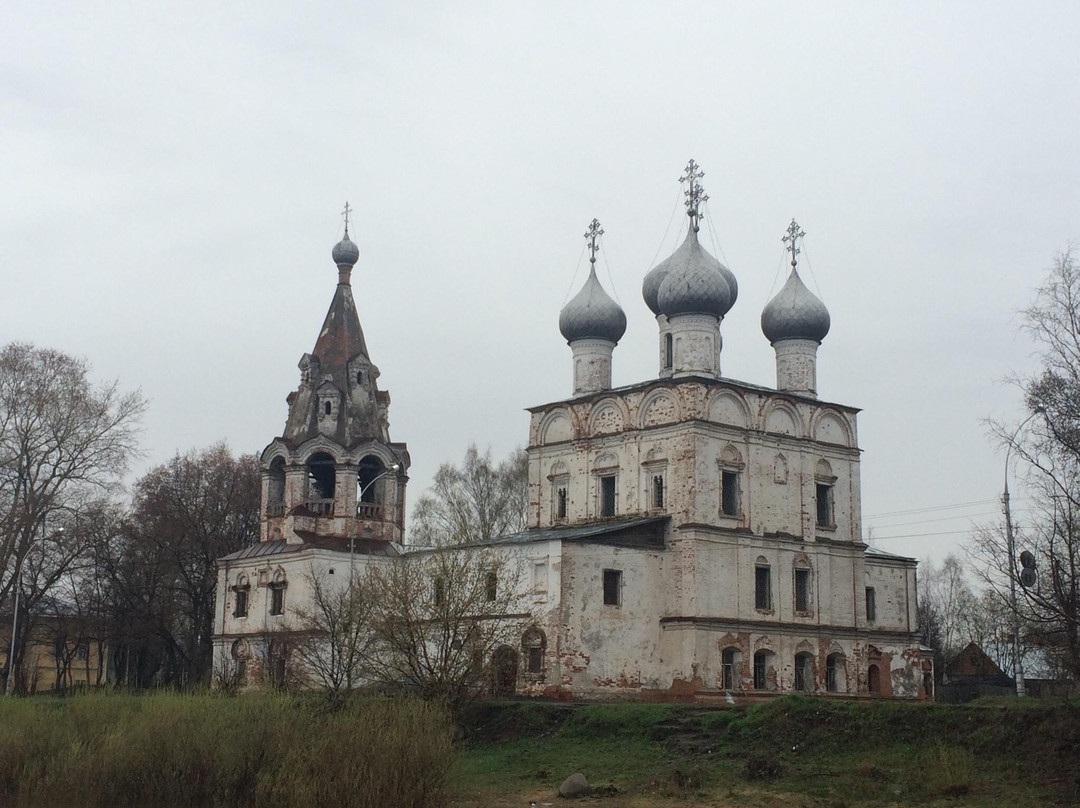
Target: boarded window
{"type": "Point", "coordinates": [762, 588]}
{"type": "Point", "coordinates": [729, 493]}
{"type": "Point", "coordinates": [804, 672]}
{"type": "Point", "coordinates": [824, 505]}
{"type": "Point", "coordinates": [871, 605]}
{"type": "Point", "coordinates": [802, 590]}
{"type": "Point", "coordinates": [607, 495]}
{"type": "Point", "coordinates": [612, 587]}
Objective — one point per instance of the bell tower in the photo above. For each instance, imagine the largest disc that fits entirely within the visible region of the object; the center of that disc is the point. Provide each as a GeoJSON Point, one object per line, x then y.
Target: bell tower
{"type": "Point", "coordinates": [334, 472]}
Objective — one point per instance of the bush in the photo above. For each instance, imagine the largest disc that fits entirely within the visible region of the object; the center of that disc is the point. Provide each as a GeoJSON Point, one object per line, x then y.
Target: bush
{"type": "Point", "coordinates": [262, 749]}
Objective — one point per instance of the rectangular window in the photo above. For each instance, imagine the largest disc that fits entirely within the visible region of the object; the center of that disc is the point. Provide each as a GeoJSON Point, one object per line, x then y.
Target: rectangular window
{"type": "Point", "coordinates": [492, 586]}
{"type": "Point", "coordinates": [761, 662]}
{"type": "Point", "coordinates": [536, 659]}
{"type": "Point", "coordinates": [871, 605]}
{"type": "Point", "coordinates": [762, 588]}
{"type": "Point", "coordinates": [669, 352]}
{"type": "Point", "coordinates": [440, 592]}
{"type": "Point", "coordinates": [560, 503]}
{"type": "Point", "coordinates": [728, 669]}
{"type": "Point", "coordinates": [607, 495]}
{"type": "Point", "coordinates": [658, 491]}
{"type": "Point", "coordinates": [824, 505]}
{"type": "Point", "coordinates": [82, 650]}
{"type": "Point", "coordinates": [241, 670]}
{"type": "Point", "coordinates": [802, 590]}
{"type": "Point", "coordinates": [277, 600]}
{"type": "Point", "coordinates": [729, 493]}
{"type": "Point", "coordinates": [241, 603]}
{"type": "Point", "coordinates": [612, 587]}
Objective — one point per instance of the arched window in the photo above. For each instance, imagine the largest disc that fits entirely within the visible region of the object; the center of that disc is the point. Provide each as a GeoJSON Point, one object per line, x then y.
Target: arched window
{"type": "Point", "coordinates": [835, 673]}
{"type": "Point", "coordinates": [762, 665]}
{"type": "Point", "coordinates": [533, 643]}
{"type": "Point", "coordinates": [873, 679]}
{"type": "Point", "coordinates": [369, 480]}
{"type": "Point", "coordinates": [730, 669]}
{"type": "Point", "coordinates": [321, 474]}
{"type": "Point", "coordinates": [275, 493]}
{"type": "Point", "coordinates": [804, 672]}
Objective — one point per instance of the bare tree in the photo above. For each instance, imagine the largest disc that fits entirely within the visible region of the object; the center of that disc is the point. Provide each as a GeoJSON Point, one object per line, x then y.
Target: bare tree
{"type": "Point", "coordinates": [1046, 445]}
{"type": "Point", "coordinates": [474, 502]}
{"type": "Point", "coordinates": [334, 639]}
{"type": "Point", "coordinates": [63, 439]}
{"type": "Point", "coordinates": [437, 617]}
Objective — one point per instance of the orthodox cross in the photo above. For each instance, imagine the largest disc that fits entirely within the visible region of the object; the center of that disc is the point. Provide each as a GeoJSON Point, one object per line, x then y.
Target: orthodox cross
{"type": "Point", "coordinates": [694, 193]}
{"type": "Point", "coordinates": [346, 213]}
{"type": "Point", "coordinates": [592, 234]}
{"type": "Point", "coordinates": [794, 233]}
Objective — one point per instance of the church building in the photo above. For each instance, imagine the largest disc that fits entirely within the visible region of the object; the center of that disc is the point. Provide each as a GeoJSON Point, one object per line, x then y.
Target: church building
{"type": "Point", "coordinates": [690, 536]}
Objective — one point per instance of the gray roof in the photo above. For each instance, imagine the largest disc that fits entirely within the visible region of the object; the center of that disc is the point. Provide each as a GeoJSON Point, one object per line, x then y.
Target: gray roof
{"type": "Point", "coordinates": [795, 313]}
{"type": "Point", "coordinates": [592, 314]}
{"type": "Point", "coordinates": [594, 531]}
{"type": "Point", "coordinates": [262, 548]}
{"type": "Point", "coordinates": [346, 253]}
{"type": "Point", "coordinates": [874, 551]}
{"type": "Point", "coordinates": [692, 282]}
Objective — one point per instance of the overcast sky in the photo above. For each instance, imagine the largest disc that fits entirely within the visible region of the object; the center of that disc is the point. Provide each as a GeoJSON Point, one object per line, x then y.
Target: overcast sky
{"type": "Point", "coordinates": [171, 177]}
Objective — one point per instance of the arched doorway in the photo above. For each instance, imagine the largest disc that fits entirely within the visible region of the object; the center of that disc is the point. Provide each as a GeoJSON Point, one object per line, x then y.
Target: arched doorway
{"type": "Point", "coordinates": [504, 664]}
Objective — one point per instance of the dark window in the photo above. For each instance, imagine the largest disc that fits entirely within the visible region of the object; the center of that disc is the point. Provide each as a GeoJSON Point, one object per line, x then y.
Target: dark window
{"type": "Point", "coordinates": [804, 672]}
{"type": "Point", "coordinates": [440, 592]}
{"type": "Point", "coordinates": [241, 602]}
{"type": "Point", "coordinates": [762, 588]}
{"type": "Point", "coordinates": [371, 477]}
{"type": "Point", "coordinates": [360, 377]}
{"type": "Point", "coordinates": [533, 643]}
{"type": "Point", "coordinates": [82, 649]}
{"type": "Point", "coordinates": [761, 670]}
{"type": "Point", "coordinates": [607, 495]}
{"type": "Point", "coordinates": [824, 505]}
{"type": "Point", "coordinates": [669, 352]}
{"type": "Point", "coordinates": [321, 476]}
{"type": "Point", "coordinates": [802, 590]}
{"type": "Point", "coordinates": [729, 493]}
{"type": "Point", "coordinates": [241, 670]}
{"type": "Point", "coordinates": [326, 408]}
{"type": "Point", "coordinates": [536, 660]}
{"type": "Point", "coordinates": [658, 491]}
{"type": "Point", "coordinates": [873, 679]}
{"type": "Point", "coordinates": [728, 660]}
{"type": "Point", "coordinates": [832, 679]}
{"type": "Point", "coordinates": [492, 586]}
{"type": "Point", "coordinates": [871, 605]}
{"type": "Point", "coordinates": [277, 599]}
{"type": "Point", "coordinates": [60, 648]}
{"type": "Point", "coordinates": [612, 587]}
{"type": "Point", "coordinates": [560, 503]}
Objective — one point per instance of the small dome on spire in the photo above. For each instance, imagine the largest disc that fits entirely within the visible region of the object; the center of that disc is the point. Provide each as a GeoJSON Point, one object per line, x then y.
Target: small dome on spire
{"type": "Point", "coordinates": [592, 314]}
{"type": "Point", "coordinates": [345, 252]}
{"type": "Point", "coordinates": [795, 313]}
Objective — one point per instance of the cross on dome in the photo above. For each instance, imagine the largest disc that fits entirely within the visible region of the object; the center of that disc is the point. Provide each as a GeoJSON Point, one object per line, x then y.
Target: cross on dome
{"type": "Point", "coordinates": [694, 193]}
{"type": "Point", "coordinates": [592, 234]}
{"type": "Point", "coordinates": [345, 214]}
{"type": "Point", "coordinates": [794, 233]}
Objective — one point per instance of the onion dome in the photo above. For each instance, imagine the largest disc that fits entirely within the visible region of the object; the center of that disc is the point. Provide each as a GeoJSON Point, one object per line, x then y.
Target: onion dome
{"type": "Point", "coordinates": [591, 314]}
{"type": "Point", "coordinates": [795, 313]}
{"type": "Point", "coordinates": [692, 282]}
{"type": "Point", "coordinates": [345, 252]}
{"type": "Point", "coordinates": [689, 252]}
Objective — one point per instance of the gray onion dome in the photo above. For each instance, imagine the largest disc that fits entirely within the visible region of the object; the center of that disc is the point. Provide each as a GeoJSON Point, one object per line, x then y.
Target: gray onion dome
{"type": "Point", "coordinates": [591, 314]}
{"type": "Point", "coordinates": [795, 313]}
{"type": "Point", "coordinates": [345, 252]}
{"type": "Point", "coordinates": [693, 282]}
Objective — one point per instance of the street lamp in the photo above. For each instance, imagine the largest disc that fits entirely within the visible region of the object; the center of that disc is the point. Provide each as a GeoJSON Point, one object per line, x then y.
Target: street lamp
{"type": "Point", "coordinates": [359, 499]}
{"type": "Point", "coordinates": [1010, 541]}
{"type": "Point", "coordinates": [15, 612]}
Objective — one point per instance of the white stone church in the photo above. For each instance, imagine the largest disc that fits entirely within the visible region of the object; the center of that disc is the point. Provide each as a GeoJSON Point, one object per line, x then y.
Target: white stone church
{"type": "Point", "coordinates": [690, 536]}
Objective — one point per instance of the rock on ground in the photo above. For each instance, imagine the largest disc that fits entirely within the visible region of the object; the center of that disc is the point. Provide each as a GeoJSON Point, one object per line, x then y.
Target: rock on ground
{"type": "Point", "coordinates": [574, 786]}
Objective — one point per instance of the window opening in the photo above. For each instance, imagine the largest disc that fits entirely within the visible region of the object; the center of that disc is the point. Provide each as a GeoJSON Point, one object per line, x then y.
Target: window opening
{"type": "Point", "coordinates": [560, 502]}
{"type": "Point", "coordinates": [762, 588]}
{"type": "Point", "coordinates": [834, 673]}
{"type": "Point", "coordinates": [761, 670]}
{"type": "Point", "coordinates": [804, 672]}
{"type": "Point", "coordinates": [492, 586]}
{"type": "Point", "coordinates": [729, 666]}
{"type": "Point", "coordinates": [802, 590]}
{"type": "Point", "coordinates": [729, 493]}
{"type": "Point", "coordinates": [327, 407]}
{"type": "Point", "coordinates": [368, 479]}
{"type": "Point", "coordinates": [241, 670]}
{"type": "Point", "coordinates": [533, 642]}
{"type": "Point", "coordinates": [669, 352]}
{"type": "Point", "coordinates": [607, 495]}
{"type": "Point", "coordinates": [440, 592]}
{"type": "Point", "coordinates": [871, 604]}
{"type": "Point", "coordinates": [824, 505]}
{"type": "Point", "coordinates": [241, 603]}
{"type": "Point", "coordinates": [277, 599]}
{"type": "Point", "coordinates": [612, 587]}
{"type": "Point", "coordinates": [275, 499]}
{"type": "Point", "coordinates": [321, 476]}
{"type": "Point", "coordinates": [873, 679]}
{"type": "Point", "coordinates": [658, 490]}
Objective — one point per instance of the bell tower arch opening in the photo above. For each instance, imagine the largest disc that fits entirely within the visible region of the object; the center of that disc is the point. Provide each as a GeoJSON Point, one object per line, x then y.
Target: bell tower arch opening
{"type": "Point", "coordinates": [320, 483]}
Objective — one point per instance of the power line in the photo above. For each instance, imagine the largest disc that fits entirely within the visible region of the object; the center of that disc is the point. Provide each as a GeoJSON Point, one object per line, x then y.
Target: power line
{"type": "Point", "coordinates": [932, 508]}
